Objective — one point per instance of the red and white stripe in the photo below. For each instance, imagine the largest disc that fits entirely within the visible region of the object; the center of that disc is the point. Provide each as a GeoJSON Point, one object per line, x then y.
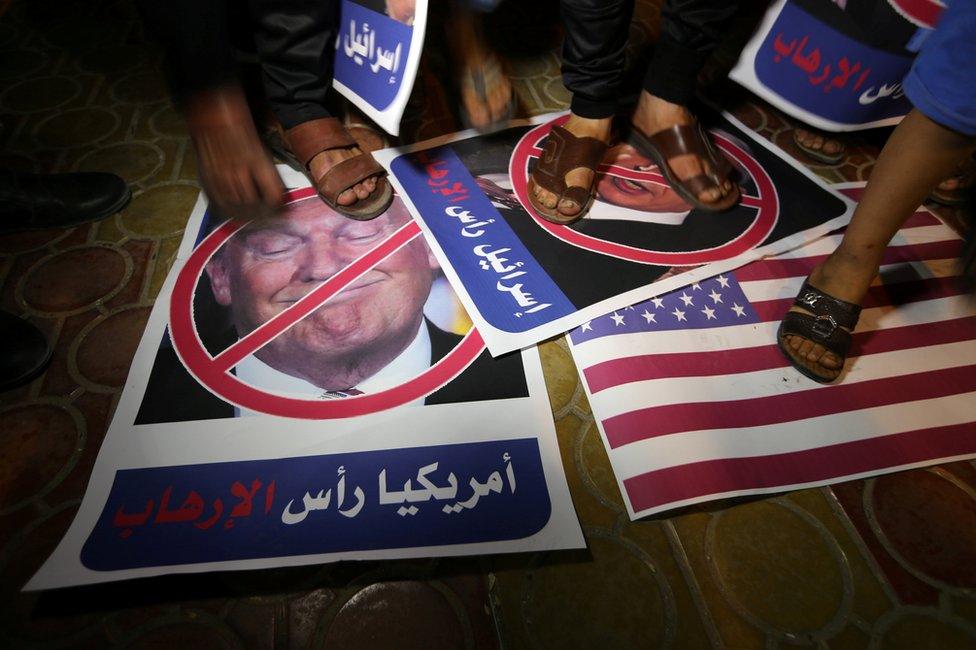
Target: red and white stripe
{"type": "Point", "coordinates": [699, 414]}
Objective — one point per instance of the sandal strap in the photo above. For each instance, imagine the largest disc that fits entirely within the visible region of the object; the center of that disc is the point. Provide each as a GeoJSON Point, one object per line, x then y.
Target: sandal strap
{"type": "Point", "coordinates": [826, 307]}
{"type": "Point", "coordinates": [562, 153]}
{"type": "Point", "coordinates": [578, 195]}
{"type": "Point", "coordinates": [341, 176]}
{"type": "Point", "coordinates": [311, 138]}
{"type": "Point", "coordinates": [685, 139]}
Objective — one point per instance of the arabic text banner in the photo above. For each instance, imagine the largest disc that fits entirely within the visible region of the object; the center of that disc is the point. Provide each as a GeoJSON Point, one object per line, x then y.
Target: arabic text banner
{"type": "Point", "coordinates": [377, 54]}
{"type": "Point", "coordinates": [523, 279]}
{"type": "Point", "coordinates": [695, 402]}
{"type": "Point", "coordinates": [816, 62]}
{"type": "Point", "coordinates": [222, 456]}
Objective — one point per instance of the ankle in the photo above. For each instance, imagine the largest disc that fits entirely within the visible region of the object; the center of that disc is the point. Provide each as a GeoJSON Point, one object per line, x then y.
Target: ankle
{"type": "Point", "coordinates": [586, 126]}
{"type": "Point", "coordinates": [653, 111]}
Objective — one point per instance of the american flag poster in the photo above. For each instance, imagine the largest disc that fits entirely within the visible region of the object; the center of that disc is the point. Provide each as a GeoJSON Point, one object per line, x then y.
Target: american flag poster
{"type": "Point", "coordinates": [695, 402]}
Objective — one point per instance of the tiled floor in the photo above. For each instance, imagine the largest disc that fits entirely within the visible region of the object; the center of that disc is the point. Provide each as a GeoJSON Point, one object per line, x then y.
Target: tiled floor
{"type": "Point", "coordinates": [888, 562]}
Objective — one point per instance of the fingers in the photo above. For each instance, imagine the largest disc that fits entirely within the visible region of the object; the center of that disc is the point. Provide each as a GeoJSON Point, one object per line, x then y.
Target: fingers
{"type": "Point", "coordinates": [245, 192]}
{"type": "Point", "coordinates": [270, 187]}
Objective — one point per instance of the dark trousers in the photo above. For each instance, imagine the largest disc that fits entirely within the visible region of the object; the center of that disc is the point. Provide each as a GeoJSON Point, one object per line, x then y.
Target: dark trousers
{"type": "Point", "coordinates": [295, 41]}
{"type": "Point", "coordinates": [596, 38]}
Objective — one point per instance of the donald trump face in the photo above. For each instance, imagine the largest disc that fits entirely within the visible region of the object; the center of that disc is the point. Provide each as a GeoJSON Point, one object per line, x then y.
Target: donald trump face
{"type": "Point", "coordinates": [270, 264]}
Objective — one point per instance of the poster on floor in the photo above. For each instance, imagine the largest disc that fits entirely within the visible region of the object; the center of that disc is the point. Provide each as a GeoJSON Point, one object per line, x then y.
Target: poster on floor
{"type": "Point", "coordinates": [308, 389]}
{"type": "Point", "coordinates": [695, 402]}
{"type": "Point", "coordinates": [524, 279]}
{"type": "Point", "coordinates": [377, 54]}
{"type": "Point", "coordinates": [837, 66]}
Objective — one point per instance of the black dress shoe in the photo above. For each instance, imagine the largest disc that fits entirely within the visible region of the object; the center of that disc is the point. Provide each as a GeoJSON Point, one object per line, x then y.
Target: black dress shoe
{"type": "Point", "coordinates": [37, 201]}
{"type": "Point", "coordinates": [24, 352]}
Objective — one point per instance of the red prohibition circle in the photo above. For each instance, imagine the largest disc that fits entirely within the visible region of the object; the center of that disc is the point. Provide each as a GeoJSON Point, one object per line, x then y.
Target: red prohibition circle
{"type": "Point", "coordinates": [766, 205]}
{"type": "Point", "coordinates": [214, 372]}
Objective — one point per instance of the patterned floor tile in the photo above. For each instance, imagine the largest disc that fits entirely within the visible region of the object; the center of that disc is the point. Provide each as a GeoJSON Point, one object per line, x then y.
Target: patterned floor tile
{"type": "Point", "coordinates": [886, 562]}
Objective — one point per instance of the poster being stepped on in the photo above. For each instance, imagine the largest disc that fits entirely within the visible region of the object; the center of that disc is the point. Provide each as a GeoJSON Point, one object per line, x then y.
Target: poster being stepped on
{"type": "Point", "coordinates": [308, 390]}
{"type": "Point", "coordinates": [524, 279]}
{"type": "Point", "coordinates": [695, 401]}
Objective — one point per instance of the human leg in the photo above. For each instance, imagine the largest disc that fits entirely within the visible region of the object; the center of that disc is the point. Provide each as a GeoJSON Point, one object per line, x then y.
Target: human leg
{"type": "Point", "coordinates": [918, 155]}
{"type": "Point", "coordinates": [690, 31]}
{"type": "Point", "coordinates": [296, 44]}
{"type": "Point", "coordinates": [486, 92]}
{"type": "Point", "coordinates": [593, 58]}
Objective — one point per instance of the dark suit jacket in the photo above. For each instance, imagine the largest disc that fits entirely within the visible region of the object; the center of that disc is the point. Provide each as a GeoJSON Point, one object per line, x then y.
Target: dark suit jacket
{"type": "Point", "coordinates": [172, 395]}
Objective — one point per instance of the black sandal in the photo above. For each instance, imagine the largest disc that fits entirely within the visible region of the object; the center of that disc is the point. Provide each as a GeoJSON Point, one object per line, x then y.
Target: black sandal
{"type": "Point", "coordinates": [825, 324]}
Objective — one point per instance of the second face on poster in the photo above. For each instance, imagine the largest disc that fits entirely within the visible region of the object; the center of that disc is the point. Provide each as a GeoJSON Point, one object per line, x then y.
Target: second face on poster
{"type": "Point", "coordinates": [524, 279]}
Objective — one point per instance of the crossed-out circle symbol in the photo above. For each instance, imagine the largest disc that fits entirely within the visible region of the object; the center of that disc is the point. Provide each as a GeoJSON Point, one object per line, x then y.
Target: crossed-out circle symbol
{"type": "Point", "coordinates": [765, 202]}
{"type": "Point", "coordinates": [214, 372]}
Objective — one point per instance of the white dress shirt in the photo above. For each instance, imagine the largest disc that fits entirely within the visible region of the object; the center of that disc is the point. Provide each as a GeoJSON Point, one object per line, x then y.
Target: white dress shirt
{"type": "Point", "coordinates": [414, 359]}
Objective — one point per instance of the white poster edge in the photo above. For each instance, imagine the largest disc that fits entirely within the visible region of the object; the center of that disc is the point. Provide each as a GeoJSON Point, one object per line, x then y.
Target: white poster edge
{"type": "Point", "coordinates": [389, 118]}
{"type": "Point", "coordinates": [564, 533]}
{"type": "Point", "coordinates": [744, 74]}
{"type": "Point", "coordinates": [500, 342]}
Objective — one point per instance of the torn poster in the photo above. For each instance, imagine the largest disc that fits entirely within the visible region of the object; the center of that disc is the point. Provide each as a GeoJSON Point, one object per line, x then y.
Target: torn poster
{"type": "Point", "coordinates": [308, 389]}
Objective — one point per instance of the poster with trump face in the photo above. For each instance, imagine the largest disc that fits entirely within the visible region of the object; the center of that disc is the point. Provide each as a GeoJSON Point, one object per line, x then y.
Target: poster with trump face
{"type": "Point", "coordinates": [309, 389]}
{"type": "Point", "coordinates": [523, 279]}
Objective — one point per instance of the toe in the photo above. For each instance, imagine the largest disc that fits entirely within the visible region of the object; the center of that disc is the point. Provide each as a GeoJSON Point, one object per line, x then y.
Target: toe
{"type": "Point", "coordinates": [710, 195]}
{"type": "Point", "coordinates": [805, 348]}
{"type": "Point", "coordinates": [949, 184]}
{"type": "Point", "coordinates": [815, 352]}
{"type": "Point", "coordinates": [361, 191]}
{"type": "Point", "coordinates": [546, 197]}
{"type": "Point", "coordinates": [346, 198]}
{"type": "Point", "coordinates": [569, 208]}
{"type": "Point", "coordinates": [832, 147]}
{"type": "Point", "coordinates": [831, 361]}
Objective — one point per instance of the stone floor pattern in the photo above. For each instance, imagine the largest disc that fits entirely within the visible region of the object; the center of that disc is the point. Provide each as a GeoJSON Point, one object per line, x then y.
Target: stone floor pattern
{"type": "Point", "coordinates": [887, 562]}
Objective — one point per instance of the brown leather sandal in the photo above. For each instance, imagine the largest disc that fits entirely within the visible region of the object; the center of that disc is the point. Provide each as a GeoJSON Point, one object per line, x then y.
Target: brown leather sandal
{"type": "Point", "coordinates": [680, 140]}
{"type": "Point", "coordinates": [311, 138]}
{"type": "Point", "coordinates": [562, 153]}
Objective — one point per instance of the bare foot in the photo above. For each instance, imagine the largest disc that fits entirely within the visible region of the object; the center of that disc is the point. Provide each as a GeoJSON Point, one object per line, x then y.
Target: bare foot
{"type": "Point", "coordinates": [328, 159]}
{"type": "Point", "coordinates": [490, 107]}
{"type": "Point", "coordinates": [653, 115]}
{"type": "Point", "coordinates": [819, 142]}
{"type": "Point", "coordinates": [485, 88]}
{"type": "Point", "coordinates": [844, 277]}
{"type": "Point", "coordinates": [580, 127]}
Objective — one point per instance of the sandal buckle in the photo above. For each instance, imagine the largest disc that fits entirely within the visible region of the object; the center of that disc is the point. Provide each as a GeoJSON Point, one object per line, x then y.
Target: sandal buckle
{"type": "Point", "coordinates": [824, 326]}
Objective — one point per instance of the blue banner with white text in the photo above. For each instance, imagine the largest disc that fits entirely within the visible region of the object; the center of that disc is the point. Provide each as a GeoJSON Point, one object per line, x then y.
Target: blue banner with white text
{"type": "Point", "coordinates": [387, 499]}
{"type": "Point", "coordinates": [510, 288]}
{"type": "Point", "coordinates": [371, 54]}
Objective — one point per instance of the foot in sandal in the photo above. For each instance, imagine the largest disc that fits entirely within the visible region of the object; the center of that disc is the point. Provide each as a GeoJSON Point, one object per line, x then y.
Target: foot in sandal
{"type": "Point", "coordinates": [349, 180]}
{"type": "Point", "coordinates": [671, 136]}
{"type": "Point", "coordinates": [815, 334]}
{"type": "Point", "coordinates": [561, 185]}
